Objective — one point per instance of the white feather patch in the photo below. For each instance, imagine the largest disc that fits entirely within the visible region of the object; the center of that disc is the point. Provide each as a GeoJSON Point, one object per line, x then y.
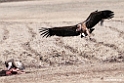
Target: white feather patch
{"type": "Point", "coordinates": [83, 34]}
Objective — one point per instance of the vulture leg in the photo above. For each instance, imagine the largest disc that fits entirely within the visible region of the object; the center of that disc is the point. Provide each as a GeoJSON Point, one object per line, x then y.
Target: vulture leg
{"type": "Point", "coordinates": [88, 33]}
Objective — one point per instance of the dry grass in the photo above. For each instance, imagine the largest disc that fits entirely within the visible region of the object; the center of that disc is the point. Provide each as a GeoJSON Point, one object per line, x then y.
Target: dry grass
{"type": "Point", "coordinates": [58, 59]}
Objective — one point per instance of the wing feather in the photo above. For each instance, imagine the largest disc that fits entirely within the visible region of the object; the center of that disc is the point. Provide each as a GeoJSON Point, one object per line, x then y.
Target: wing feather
{"type": "Point", "coordinates": [41, 30]}
{"type": "Point", "coordinates": [98, 16]}
{"type": "Point", "coordinates": [44, 32]}
{"type": "Point", "coordinates": [60, 31]}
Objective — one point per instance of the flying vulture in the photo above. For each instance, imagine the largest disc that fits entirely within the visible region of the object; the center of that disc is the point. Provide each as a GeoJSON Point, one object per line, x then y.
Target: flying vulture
{"type": "Point", "coordinates": [84, 28]}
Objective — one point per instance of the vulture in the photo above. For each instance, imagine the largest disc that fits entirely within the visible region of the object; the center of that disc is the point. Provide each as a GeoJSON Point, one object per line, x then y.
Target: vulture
{"type": "Point", "coordinates": [11, 63]}
{"type": "Point", "coordinates": [84, 28]}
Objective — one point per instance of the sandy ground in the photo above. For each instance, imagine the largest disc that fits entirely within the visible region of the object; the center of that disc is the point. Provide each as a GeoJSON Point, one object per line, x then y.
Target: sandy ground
{"type": "Point", "coordinates": [58, 59]}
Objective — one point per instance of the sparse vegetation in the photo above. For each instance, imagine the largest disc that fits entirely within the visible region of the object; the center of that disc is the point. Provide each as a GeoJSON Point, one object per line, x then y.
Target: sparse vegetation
{"type": "Point", "coordinates": [62, 59]}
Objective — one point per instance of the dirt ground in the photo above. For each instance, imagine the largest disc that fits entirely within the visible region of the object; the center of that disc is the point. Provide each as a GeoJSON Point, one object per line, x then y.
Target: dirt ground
{"type": "Point", "coordinates": [62, 59]}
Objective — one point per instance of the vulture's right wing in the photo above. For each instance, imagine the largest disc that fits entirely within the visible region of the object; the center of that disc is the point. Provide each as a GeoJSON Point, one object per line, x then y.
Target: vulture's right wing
{"type": "Point", "coordinates": [60, 31]}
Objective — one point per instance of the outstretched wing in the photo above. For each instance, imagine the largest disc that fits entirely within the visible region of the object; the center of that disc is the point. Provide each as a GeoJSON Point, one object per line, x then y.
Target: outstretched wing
{"type": "Point", "coordinates": [60, 31]}
{"type": "Point", "coordinates": [97, 16]}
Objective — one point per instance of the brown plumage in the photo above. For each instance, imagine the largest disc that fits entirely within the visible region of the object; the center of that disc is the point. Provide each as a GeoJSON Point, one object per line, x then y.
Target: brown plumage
{"type": "Point", "coordinates": [85, 27]}
{"type": "Point", "coordinates": [60, 31]}
{"type": "Point", "coordinates": [97, 16]}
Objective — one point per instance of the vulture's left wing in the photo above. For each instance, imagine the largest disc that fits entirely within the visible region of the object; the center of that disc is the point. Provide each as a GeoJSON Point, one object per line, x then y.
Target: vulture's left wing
{"type": "Point", "coordinates": [97, 16]}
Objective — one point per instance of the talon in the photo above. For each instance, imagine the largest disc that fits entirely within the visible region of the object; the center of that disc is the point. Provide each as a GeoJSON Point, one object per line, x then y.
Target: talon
{"type": "Point", "coordinates": [90, 38]}
{"type": "Point", "coordinates": [82, 36]}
